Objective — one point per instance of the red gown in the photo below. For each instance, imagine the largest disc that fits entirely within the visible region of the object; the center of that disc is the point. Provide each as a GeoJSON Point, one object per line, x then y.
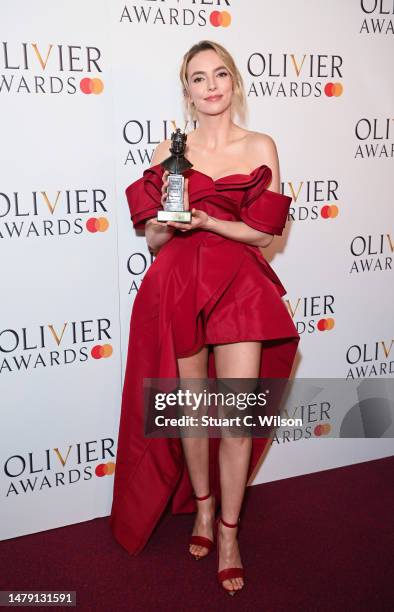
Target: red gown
{"type": "Point", "coordinates": [201, 289]}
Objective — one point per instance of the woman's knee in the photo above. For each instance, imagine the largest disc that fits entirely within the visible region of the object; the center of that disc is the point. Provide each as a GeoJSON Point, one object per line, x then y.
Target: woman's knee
{"type": "Point", "coordinates": [236, 441]}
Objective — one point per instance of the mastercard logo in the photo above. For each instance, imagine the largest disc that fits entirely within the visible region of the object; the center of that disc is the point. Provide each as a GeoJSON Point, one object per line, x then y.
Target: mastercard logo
{"type": "Point", "coordinates": [220, 18]}
{"type": "Point", "coordinates": [325, 324]}
{"type": "Point", "coordinates": [330, 211]}
{"type": "Point", "coordinates": [333, 90]}
{"type": "Point", "coordinates": [322, 430]}
{"type": "Point", "coordinates": [101, 351]}
{"type": "Point", "coordinates": [91, 86]}
{"type": "Point", "coordinates": [100, 224]}
{"type": "Point", "coordinates": [105, 469]}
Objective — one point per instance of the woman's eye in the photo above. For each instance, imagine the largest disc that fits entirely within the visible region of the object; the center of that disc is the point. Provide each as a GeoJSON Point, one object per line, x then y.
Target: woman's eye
{"type": "Point", "coordinates": [220, 74]}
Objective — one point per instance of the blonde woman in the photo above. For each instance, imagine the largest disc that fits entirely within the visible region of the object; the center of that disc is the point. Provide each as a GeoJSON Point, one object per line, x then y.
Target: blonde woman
{"type": "Point", "coordinates": [209, 306]}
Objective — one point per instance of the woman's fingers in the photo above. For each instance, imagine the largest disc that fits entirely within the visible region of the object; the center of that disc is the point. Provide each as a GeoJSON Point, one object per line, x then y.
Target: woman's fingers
{"type": "Point", "coordinates": [184, 227]}
{"type": "Point", "coordinates": [164, 188]}
{"type": "Point", "coordinates": [165, 182]}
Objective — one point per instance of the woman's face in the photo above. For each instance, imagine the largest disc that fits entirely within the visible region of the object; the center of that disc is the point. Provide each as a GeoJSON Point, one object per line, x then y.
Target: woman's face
{"type": "Point", "coordinates": [210, 83]}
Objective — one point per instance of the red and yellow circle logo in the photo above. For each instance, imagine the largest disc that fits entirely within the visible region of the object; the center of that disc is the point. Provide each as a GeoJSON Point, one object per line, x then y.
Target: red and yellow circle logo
{"type": "Point", "coordinates": [100, 224]}
{"type": "Point", "coordinates": [101, 351]}
{"type": "Point", "coordinates": [333, 90]}
{"type": "Point", "coordinates": [220, 18]}
{"type": "Point", "coordinates": [91, 86]}
{"type": "Point", "coordinates": [325, 324]}
{"type": "Point", "coordinates": [330, 211]}
{"type": "Point", "coordinates": [322, 430]}
{"type": "Point", "coordinates": [105, 469]}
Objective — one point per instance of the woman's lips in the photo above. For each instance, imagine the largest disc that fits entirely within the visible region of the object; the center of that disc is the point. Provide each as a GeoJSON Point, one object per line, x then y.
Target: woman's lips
{"type": "Point", "coordinates": [213, 98]}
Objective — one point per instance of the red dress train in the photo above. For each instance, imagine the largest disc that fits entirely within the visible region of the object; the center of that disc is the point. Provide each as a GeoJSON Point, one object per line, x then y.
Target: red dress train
{"type": "Point", "coordinates": [201, 289]}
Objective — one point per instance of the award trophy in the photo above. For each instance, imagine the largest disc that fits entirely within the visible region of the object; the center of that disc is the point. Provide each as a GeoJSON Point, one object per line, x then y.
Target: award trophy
{"type": "Point", "coordinates": [176, 164]}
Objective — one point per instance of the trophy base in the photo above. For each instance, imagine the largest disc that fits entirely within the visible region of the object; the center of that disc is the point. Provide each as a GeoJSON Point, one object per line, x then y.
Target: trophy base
{"type": "Point", "coordinates": [181, 216]}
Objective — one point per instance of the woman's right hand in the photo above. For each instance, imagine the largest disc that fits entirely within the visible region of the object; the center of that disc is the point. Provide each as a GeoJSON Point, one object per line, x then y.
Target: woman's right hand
{"type": "Point", "coordinates": [164, 187]}
{"type": "Point", "coordinates": [162, 224]}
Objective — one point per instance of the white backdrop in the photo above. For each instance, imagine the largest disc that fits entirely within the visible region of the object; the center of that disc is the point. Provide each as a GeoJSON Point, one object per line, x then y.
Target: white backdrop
{"type": "Point", "coordinates": [71, 262]}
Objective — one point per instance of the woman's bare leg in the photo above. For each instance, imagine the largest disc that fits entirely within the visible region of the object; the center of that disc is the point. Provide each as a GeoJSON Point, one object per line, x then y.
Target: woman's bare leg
{"type": "Point", "coordinates": [197, 458]}
{"type": "Point", "coordinates": [236, 360]}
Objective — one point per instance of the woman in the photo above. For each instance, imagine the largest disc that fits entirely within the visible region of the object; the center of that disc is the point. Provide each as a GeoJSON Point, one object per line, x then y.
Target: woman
{"type": "Point", "coordinates": [209, 306]}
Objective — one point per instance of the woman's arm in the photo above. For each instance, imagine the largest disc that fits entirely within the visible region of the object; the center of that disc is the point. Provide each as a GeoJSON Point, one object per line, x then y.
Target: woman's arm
{"type": "Point", "coordinates": [238, 230]}
{"type": "Point", "coordinates": [157, 234]}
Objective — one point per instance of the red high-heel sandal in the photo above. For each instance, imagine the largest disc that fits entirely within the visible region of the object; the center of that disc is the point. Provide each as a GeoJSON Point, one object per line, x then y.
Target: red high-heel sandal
{"type": "Point", "coordinates": [228, 572]}
{"type": "Point", "coordinates": [201, 540]}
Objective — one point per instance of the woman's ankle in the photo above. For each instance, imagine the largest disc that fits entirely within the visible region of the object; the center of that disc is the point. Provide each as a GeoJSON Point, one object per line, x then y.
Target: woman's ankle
{"type": "Point", "coordinates": [228, 533]}
{"type": "Point", "coordinates": [206, 513]}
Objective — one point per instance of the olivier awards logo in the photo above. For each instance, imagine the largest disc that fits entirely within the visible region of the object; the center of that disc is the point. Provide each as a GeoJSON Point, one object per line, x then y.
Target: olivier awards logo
{"type": "Point", "coordinates": [312, 314]}
{"type": "Point", "coordinates": [315, 418]}
{"type": "Point", "coordinates": [36, 471]}
{"type": "Point", "coordinates": [44, 214]}
{"type": "Point", "coordinates": [371, 253]}
{"type": "Point", "coordinates": [377, 17]}
{"type": "Point", "coordinates": [287, 75]}
{"type": "Point", "coordinates": [370, 359]}
{"type": "Point", "coordinates": [142, 136]}
{"type": "Point", "coordinates": [374, 138]}
{"type": "Point", "coordinates": [53, 345]}
{"type": "Point", "coordinates": [47, 68]}
{"type": "Point", "coordinates": [313, 200]}
{"type": "Point", "coordinates": [178, 13]}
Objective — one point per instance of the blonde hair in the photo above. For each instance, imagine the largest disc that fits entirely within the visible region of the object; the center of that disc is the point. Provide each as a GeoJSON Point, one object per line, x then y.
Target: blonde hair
{"type": "Point", "coordinates": [238, 105]}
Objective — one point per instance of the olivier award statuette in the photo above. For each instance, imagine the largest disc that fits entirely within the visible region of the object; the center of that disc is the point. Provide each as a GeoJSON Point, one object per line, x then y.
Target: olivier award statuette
{"type": "Point", "coordinates": [176, 164]}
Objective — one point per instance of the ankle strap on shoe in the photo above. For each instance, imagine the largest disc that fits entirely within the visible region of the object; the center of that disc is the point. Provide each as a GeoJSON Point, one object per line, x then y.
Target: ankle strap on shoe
{"type": "Point", "coordinates": [203, 497]}
{"type": "Point", "coordinates": [229, 524]}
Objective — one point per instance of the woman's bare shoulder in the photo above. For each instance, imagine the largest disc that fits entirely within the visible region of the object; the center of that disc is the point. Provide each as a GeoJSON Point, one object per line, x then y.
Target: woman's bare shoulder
{"type": "Point", "coordinates": [260, 141]}
{"type": "Point", "coordinates": [261, 149]}
{"type": "Point", "coordinates": [161, 152]}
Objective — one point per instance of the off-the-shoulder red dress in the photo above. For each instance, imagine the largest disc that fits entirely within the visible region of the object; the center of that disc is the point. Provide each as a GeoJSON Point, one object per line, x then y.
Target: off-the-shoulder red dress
{"type": "Point", "coordinates": [201, 289]}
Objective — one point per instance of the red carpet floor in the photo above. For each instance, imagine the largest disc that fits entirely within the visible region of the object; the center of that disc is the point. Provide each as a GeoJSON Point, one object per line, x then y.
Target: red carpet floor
{"type": "Point", "coordinates": [320, 542]}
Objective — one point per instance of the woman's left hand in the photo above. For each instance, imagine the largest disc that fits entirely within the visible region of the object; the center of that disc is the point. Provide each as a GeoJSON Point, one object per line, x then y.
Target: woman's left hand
{"type": "Point", "coordinates": [199, 220]}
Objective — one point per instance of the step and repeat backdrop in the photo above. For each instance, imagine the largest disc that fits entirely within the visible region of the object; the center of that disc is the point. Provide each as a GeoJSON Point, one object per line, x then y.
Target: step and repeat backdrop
{"type": "Point", "coordinates": [87, 90]}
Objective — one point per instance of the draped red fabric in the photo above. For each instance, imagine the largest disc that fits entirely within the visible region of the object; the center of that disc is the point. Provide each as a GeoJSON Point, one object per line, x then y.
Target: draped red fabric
{"type": "Point", "coordinates": [201, 289]}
